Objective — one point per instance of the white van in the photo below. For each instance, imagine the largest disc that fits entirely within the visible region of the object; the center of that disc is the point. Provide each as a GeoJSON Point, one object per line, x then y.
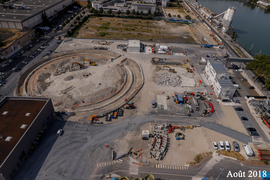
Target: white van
{"type": "Point", "coordinates": [221, 145]}
{"type": "Point", "coordinates": [227, 146]}
{"type": "Point", "coordinates": [248, 150]}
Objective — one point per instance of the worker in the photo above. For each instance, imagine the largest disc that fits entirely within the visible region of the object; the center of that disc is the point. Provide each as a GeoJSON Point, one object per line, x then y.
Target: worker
{"type": "Point", "coordinates": [106, 145]}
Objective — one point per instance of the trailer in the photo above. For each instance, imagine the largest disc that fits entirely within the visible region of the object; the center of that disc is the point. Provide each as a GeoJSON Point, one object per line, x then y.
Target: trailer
{"type": "Point", "coordinates": [180, 99]}
{"type": "Point", "coordinates": [196, 103]}
{"type": "Point", "coordinates": [248, 150]}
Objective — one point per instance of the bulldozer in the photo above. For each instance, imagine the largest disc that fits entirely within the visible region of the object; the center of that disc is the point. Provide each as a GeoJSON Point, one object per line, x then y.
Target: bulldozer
{"type": "Point", "coordinates": [91, 63]}
{"type": "Point", "coordinates": [170, 69]}
{"type": "Point", "coordinates": [81, 65]}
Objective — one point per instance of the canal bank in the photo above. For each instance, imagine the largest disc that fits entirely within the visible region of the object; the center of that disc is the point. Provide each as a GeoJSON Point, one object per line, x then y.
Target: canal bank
{"type": "Point", "coordinates": [251, 23]}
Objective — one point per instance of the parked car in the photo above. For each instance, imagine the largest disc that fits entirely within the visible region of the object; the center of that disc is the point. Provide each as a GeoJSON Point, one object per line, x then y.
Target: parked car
{"type": "Point", "coordinates": [11, 60]}
{"type": "Point", "coordinates": [251, 87]}
{"type": "Point", "coordinates": [42, 47]}
{"type": "Point", "coordinates": [60, 132]}
{"type": "Point", "coordinates": [251, 129]}
{"type": "Point", "coordinates": [253, 133]}
{"type": "Point", "coordinates": [227, 145]}
{"type": "Point", "coordinates": [215, 145]}
{"type": "Point", "coordinates": [236, 146]}
{"type": "Point", "coordinates": [24, 62]}
{"type": "Point", "coordinates": [108, 117]}
{"type": "Point", "coordinates": [4, 65]}
{"type": "Point", "coordinates": [239, 109]}
{"type": "Point", "coordinates": [154, 104]}
{"type": "Point", "coordinates": [3, 82]}
{"type": "Point", "coordinates": [1, 73]}
{"type": "Point", "coordinates": [221, 145]}
{"type": "Point", "coordinates": [244, 118]}
{"type": "Point", "coordinates": [243, 80]}
{"type": "Point", "coordinates": [39, 50]}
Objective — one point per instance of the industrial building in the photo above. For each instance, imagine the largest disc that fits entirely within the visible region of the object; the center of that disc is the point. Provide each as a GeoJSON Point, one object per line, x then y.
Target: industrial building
{"type": "Point", "coordinates": [134, 46]}
{"type": "Point", "coordinates": [123, 6]}
{"type": "Point", "coordinates": [218, 77]}
{"type": "Point", "coordinates": [27, 13]}
{"type": "Point", "coordinates": [22, 119]}
{"type": "Point", "coordinates": [164, 3]}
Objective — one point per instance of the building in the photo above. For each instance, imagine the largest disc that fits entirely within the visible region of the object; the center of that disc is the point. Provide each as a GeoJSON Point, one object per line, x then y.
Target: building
{"type": "Point", "coordinates": [22, 119]}
{"type": "Point", "coordinates": [28, 13]}
{"type": "Point", "coordinates": [263, 3]}
{"type": "Point", "coordinates": [17, 44]}
{"type": "Point", "coordinates": [123, 6]}
{"type": "Point", "coordinates": [134, 46]}
{"type": "Point", "coordinates": [164, 3]}
{"type": "Point", "coordinates": [218, 77]}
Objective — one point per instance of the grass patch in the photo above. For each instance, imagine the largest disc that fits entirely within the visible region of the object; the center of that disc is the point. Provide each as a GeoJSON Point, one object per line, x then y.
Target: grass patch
{"type": "Point", "coordinates": [233, 154]}
{"type": "Point", "coordinates": [239, 52]}
{"type": "Point", "coordinates": [199, 157]}
{"type": "Point", "coordinates": [181, 10]}
{"type": "Point", "coordinates": [105, 26]}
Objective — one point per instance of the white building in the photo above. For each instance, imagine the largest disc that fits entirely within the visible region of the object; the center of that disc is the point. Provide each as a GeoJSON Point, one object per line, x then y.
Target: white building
{"type": "Point", "coordinates": [164, 3]}
{"type": "Point", "coordinates": [218, 77]}
{"type": "Point", "coordinates": [28, 13]}
{"type": "Point", "coordinates": [134, 46]}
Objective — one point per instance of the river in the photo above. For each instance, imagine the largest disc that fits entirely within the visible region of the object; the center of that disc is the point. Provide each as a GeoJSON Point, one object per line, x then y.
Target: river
{"type": "Point", "coordinates": [251, 23]}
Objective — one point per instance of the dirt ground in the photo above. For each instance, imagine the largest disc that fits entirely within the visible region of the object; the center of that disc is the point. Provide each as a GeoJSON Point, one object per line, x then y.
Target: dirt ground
{"type": "Point", "coordinates": [180, 152]}
{"type": "Point", "coordinates": [8, 35]}
{"type": "Point", "coordinates": [175, 11]}
{"type": "Point", "coordinates": [145, 30]}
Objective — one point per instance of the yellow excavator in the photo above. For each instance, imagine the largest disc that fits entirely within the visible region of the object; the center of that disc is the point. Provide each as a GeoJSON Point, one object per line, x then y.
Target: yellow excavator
{"type": "Point", "coordinates": [81, 65]}
{"type": "Point", "coordinates": [91, 63]}
{"type": "Point", "coordinates": [187, 68]}
{"type": "Point", "coordinates": [170, 69]}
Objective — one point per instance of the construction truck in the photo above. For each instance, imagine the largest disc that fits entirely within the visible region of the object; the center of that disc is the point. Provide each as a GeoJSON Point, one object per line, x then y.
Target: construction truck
{"type": "Point", "coordinates": [187, 68]}
{"type": "Point", "coordinates": [170, 69]}
{"type": "Point", "coordinates": [81, 65]}
{"type": "Point", "coordinates": [91, 63]}
{"type": "Point", "coordinates": [129, 105]}
{"type": "Point", "coordinates": [155, 60]}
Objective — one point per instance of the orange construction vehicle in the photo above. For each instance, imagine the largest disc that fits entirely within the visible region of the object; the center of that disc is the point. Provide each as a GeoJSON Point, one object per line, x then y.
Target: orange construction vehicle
{"type": "Point", "coordinates": [93, 118]}
{"type": "Point", "coordinates": [129, 105]}
{"type": "Point", "coordinates": [91, 63]}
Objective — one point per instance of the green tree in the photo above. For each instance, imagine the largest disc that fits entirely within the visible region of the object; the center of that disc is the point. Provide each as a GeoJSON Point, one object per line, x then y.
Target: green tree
{"type": "Point", "coordinates": [95, 12]}
{"type": "Point", "coordinates": [91, 10]}
{"type": "Point", "coordinates": [169, 15]}
{"type": "Point", "coordinates": [69, 33]}
{"type": "Point", "coordinates": [88, 2]}
{"type": "Point", "coordinates": [137, 13]}
{"type": "Point", "coordinates": [155, 14]}
{"type": "Point", "coordinates": [149, 12]}
{"type": "Point", "coordinates": [133, 12]}
{"type": "Point", "coordinates": [118, 12]}
{"type": "Point", "coordinates": [78, 18]}
{"type": "Point", "coordinates": [128, 12]}
{"type": "Point", "coordinates": [141, 12]}
{"type": "Point", "coordinates": [100, 11]}
{"type": "Point", "coordinates": [2, 43]}
{"type": "Point", "coordinates": [178, 16]}
{"type": "Point", "coordinates": [109, 11]}
{"type": "Point", "coordinates": [268, 7]}
{"type": "Point", "coordinates": [187, 17]}
{"type": "Point", "coordinates": [45, 20]}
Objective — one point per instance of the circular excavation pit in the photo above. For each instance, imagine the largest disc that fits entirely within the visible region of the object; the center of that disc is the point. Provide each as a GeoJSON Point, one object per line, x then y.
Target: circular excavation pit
{"type": "Point", "coordinates": [85, 83]}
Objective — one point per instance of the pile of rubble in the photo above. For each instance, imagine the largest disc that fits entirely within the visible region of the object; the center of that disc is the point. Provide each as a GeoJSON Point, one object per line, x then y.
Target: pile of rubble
{"type": "Point", "coordinates": [158, 143]}
{"type": "Point", "coordinates": [168, 79]}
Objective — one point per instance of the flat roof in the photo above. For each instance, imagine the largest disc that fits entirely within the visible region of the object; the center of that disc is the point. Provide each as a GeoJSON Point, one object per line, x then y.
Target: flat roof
{"type": "Point", "coordinates": [19, 15]}
{"type": "Point", "coordinates": [15, 110]}
{"type": "Point", "coordinates": [218, 67]}
{"type": "Point", "coordinates": [134, 43]}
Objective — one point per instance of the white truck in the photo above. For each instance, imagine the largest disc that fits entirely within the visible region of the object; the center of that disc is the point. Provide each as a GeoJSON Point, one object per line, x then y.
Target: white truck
{"type": "Point", "coordinates": [248, 150]}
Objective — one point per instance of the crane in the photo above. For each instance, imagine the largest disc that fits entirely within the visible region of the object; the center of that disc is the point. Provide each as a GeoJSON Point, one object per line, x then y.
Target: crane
{"type": "Point", "coordinates": [170, 69]}
{"type": "Point", "coordinates": [81, 65]}
{"type": "Point", "coordinates": [91, 63]}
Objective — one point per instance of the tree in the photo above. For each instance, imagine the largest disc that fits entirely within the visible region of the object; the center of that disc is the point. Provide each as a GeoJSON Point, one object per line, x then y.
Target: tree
{"type": "Point", "coordinates": [127, 12]}
{"type": "Point", "coordinates": [149, 12]}
{"type": "Point", "coordinates": [88, 2]}
{"type": "Point", "coordinates": [91, 10]}
{"type": "Point", "coordinates": [69, 33]}
{"type": "Point", "coordinates": [178, 16]}
{"type": "Point", "coordinates": [100, 11]}
{"type": "Point", "coordinates": [109, 11]}
{"type": "Point", "coordinates": [88, 6]}
{"type": "Point", "coordinates": [268, 7]}
{"type": "Point", "coordinates": [78, 18]}
{"type": "Point", "coordinates": [137, 13]}
{"type": "Point", "coordinates": [118, 12]}
{"type": "Point", "coordinates": [169, 15]}
{"type": "Point", "coordinates": [155, 14]}
{"type": "Point", "coordinates": [187, 17]}
{"type": "Point", "coordinates": [141, 12]}
{"type": "Point", "coordinates": [133, 12]}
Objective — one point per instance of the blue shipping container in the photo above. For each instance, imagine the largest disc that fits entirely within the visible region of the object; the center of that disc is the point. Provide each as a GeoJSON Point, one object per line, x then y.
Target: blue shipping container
{"type": "Point", "coordinates": [180, 99]}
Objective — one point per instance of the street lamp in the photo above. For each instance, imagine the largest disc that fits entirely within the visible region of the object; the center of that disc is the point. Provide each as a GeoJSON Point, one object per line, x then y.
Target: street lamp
{"type": "Point", "coordinates": [221, 169]}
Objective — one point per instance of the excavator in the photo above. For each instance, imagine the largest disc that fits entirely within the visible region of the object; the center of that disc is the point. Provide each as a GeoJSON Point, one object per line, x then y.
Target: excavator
{"type": "Point", "coordinates": [91, 63]}
{"type": "Point", "coordinates": [187, 68]}
{"type": "Point", "coordinates": [81, 65]}
{"type": "Point", "coordinates": [129, 105]}
{"type": "Point", "coordinates": [170, 69]}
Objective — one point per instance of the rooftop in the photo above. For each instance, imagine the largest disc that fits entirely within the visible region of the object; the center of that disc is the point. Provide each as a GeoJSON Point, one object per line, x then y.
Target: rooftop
{"type": "Point", "coordinates": [218, 67]}
{"type": "Point", "coordinates": [134, 43]}
{"type": "Point", "coordinates": [30, 8]}
{"type": "Point", "coordinates": [16, 116]}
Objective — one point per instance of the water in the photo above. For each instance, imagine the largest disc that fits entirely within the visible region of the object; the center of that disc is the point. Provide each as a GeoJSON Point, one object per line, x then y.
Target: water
{"type": "Point", "coordinates": [251, 23]}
